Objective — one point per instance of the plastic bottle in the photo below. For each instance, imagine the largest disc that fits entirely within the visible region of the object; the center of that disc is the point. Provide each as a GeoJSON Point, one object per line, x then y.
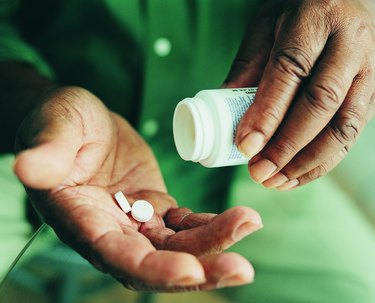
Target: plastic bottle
{"type": "Point", "coordinates": [204, 126]}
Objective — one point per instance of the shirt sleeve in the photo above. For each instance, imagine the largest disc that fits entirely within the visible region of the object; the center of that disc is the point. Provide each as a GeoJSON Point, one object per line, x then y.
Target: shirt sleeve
{"type": "Point", "coordinates": [13, 47]}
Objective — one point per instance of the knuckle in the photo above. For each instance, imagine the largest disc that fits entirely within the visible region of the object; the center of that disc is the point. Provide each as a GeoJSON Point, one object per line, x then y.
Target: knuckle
{"type": "Point", "coordinates": [294, 61]}
{"type": "Point", "coordinates": [324, 97]}
{"type": "Point", "coordinates": [325, 167]}
{"type": "Point", "coordinates": [345, 150]}
{"type": "Point", "coordinates": [272, 114]}
{"type": "Point", "coordinates": [346, 129]}
{"type": "Point", "coordinates": [318, 172]}
{"type": "Point", "coordinates": [239, 64]}
{"type": "Point", "coordinates": [367, 71]}
{"type": "Point", "coordinates": [364, 31]}
{"type": "Point", "coordinates": [360, 25]}
{"type": "Point", "coordinates": [246, 59]}
{"type": "Point", "coordinates": [284, 149]}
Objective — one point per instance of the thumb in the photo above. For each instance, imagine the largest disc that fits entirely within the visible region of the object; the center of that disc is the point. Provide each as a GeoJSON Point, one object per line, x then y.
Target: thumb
{"type": "Point", "coordinates": [247, 68]}
{"type": "Point", "coordinates": [51, 157]}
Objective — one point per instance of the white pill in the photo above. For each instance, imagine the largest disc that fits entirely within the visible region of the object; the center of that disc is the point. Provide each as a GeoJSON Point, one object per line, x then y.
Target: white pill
{"type": "Point", "coordinates": [122, 202]}
{"type": "Point", "coordinates": [142, 211]}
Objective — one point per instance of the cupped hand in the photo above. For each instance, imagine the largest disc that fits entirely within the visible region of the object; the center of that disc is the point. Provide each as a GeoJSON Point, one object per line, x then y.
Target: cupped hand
{"type": "Point", "coordinates": [314, 63]}
{"type": "Point", "coordinates": [74, 154]}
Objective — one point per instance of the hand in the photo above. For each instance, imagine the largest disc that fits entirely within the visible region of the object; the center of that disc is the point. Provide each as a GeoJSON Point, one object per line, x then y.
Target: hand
{"type": "Point", "coordinates": [314, 63]}
{"type": "Point", "coordinates": [76, 155]}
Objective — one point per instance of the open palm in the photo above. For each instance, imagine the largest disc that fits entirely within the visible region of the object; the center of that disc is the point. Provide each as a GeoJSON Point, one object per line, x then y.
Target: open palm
{"type": "Point", "coordinates": [75, 154]}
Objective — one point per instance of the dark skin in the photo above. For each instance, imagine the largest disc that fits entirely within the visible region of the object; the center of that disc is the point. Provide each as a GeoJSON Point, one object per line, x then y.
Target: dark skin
{"type": "Point", "coordinates": [77, 155]}
{"type": "Point", "coordinates": [314, 64]}
{"type": "Point", "coordinates": [73, 153]}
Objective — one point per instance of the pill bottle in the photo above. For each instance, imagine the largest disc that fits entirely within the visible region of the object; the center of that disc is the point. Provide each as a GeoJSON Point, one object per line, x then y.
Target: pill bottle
{"type": "Point", "coordinates": [204, 127]}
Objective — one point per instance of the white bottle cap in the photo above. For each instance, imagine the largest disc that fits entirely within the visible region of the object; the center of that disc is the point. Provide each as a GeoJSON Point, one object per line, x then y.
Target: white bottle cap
{"type": "Point", "coordinates": [193, 130]}
{"type": "Point", "coordinates": [142, 211]}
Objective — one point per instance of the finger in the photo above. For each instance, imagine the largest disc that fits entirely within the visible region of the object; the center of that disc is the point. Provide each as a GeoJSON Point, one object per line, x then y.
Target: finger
{"type": "Point", "coordinates": [61, 135]}
{"type": "Point", "coordinates": [176, 219]}
{"type": "Point", "coordinates": [218, 234]}
{"type": "Point", "coordinates": [128, 255]}
{"type": "Point", "coordinates": [183, 218]}
{"type": "Point", "coordinates": [226, 269]}
{"type": "Point", "coordinates": [339, 134]}
{"type": "Point", "coordinates": [52, 147]}
{"type": "Point", "coordinates": [223, 270]}
{"type": "Point", "coordinates": [297, 47]}
{"type": "Point", "coordinates": [314, 107]}
{"type": "Point", "coordinates": [248, 66]}
{"type": "Point", "coordinates": [46, 165]}
{"type": "Point", "coordinates": [317, 172]}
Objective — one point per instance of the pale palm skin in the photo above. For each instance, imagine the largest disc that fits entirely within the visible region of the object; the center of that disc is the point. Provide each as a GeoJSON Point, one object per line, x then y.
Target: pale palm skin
{"type": "Point", "coordinates": [78, 154]}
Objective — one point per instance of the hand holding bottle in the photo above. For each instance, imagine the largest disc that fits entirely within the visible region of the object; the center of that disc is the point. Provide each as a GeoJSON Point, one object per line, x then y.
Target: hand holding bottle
{"type": "Point", "coordinates": [314, 63]}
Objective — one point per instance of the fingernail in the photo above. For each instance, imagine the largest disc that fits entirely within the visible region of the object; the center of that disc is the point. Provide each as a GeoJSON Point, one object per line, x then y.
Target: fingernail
{"type": "Point", "coordinates": [262, 170]}
{"type": "Point", "coordinates": [277, 180]}
{"type": "Point", "coordinates": [188, 281]}
{"type": "Point", "coordinates": [245, 229]}
{"type": "Point", "coordinates": [251, 144]}
{"type": "Point", "coordinates": [288, 185]}
{"type": "Point", "coordinates": [234, 281]}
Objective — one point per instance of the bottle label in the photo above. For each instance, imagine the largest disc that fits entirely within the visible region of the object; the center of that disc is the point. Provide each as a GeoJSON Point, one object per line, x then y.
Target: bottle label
{"type": "Point", "coordinates": [238, 104]}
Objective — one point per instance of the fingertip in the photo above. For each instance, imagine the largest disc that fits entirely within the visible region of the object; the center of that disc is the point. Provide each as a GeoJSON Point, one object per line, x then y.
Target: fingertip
{"type": "Point", "coordinates": [242, 270]}
{"type": "Point", "coordinates": [178, 268]}
{"type": "Point", "coordinates": [289, 185]}
{"type": "Point", "coordinates": [262, 170]}
{"type": "Point", "coordinates": [244, 213]}
{"type": "Point", "coordinates": [243, 278]}
{"type": "Point", "coordinates": [245, 229]}
{"type": "Point", "coordinates": [227, 269]}
{"type": "Point", "coordinates": [275, 181]}
{"type": "Point", "coordinates": [251, 144]}
{"type": "Point", "coordinates": [240, 221]}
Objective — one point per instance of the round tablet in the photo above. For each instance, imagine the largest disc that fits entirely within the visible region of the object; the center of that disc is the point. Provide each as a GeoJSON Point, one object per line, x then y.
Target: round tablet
{"type": "Point", "coordinates": [142, 210]}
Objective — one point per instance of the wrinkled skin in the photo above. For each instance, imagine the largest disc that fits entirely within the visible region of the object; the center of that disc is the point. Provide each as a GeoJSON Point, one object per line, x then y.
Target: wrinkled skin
{"type": "Point", "coordinates": [75, 154]}
{"type": "Point", "coordinates": [314, 63]}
